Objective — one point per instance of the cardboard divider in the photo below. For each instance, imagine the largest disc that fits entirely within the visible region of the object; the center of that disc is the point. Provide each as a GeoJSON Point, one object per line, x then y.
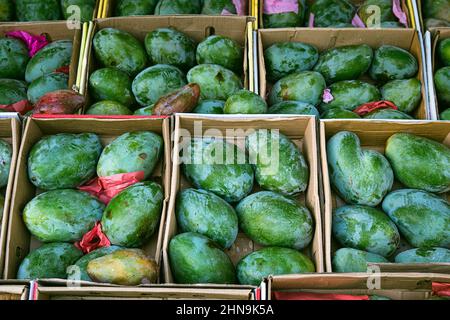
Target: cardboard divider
{"type": "Point", "coordinates": [20, 242]}
{"type": "Point", "coordinates": [373, 136]}
{"type": "Point", "coordinates": [324, 38]}
{"type": "Point", "coordinates": [13, 290]}
{"type": "Point", "coordinates": [300, 129]}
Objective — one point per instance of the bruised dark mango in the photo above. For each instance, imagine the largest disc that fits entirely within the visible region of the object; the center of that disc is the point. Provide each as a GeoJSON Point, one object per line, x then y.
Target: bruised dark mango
{"type": "Point", "coordinates": [222, 51]}
{"type": "Point", "coordinates": [171, 7]}
{"type": "Point", "coordinates": [331, 12]}
{"type": "Point", "coordinates": [38, 10]}
{"type": "Point", "coordinates": [108, 108]}
{"type": "Point", "coordinates": [47, 83]}
{"type": "Point", "coordinates": [135, 7]}
{"type": "Point", "coordinates": [392, 63]}
{"type": "Point", "coordinates": [353, 260]}
{"type": "Point", "coordinates": [111, 84]}
{"type": "Point", "coordinates": [13, 58]}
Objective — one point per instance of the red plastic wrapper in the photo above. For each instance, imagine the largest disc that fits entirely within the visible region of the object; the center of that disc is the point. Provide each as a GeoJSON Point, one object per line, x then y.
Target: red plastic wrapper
{"type": "Point", "coordinates": [59, 102]}
{"type": "Point", "coordinates": [315, 296]}
{"type": "Point", "coordinates": [22, 107]}
{"type": "Point", "coordinates": [106, 188]}
{"type": "Point", "coordinates": [64, 69]}
{"type": "Point", "coordinates": [34, 43]}
{"type": "Point", "coordinates": [93, 240]}
{"type": "Point", "coordinates": [372, 106]}
{"type": "Point", "coordinates": [441, 289]}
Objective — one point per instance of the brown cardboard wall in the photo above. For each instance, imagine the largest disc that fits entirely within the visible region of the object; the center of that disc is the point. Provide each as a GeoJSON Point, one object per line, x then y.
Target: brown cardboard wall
{"type": "Point", "coordinates": [438, 34]}
{"type": "Point", "coordinates": [13, 292]}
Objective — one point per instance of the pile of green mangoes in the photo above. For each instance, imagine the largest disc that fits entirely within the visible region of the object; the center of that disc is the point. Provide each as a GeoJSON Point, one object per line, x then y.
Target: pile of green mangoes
{"type": "Point", "coordinates": [436, 13]}
{"type": "Point", "coordinates": [351, 75]}
{"type": "Point", "coordinates": [331, 14]}
{"type": "Point", "coordinates": [370, 226]}
{"type": "Point", "coordinates": [5, 166]}
{"type": "Point", "coordinates": [442, 78]}
{"type": "Point", "coordinates": [61, 215]}
{"type": "Point", "coordinates": [25, 78]}
{"type": "Point", "coordinates": [221, 202]}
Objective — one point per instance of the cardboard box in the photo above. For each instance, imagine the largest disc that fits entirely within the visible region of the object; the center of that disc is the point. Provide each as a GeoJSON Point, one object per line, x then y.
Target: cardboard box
{"type": "Point", "coordinates": [301, 129]}
{"type": "Point", "coordinates": [10, 130]}
{"type": "Point", "coordinates": [405, 286]}
{"type": "Point", "coordinates": [324, 39]}
{"type": "Point", "coordinates": [373, 136]}
{"type": "Point", "coordinates": [13, 290]}
{"type": "Point", "coordinates": [20, 242]}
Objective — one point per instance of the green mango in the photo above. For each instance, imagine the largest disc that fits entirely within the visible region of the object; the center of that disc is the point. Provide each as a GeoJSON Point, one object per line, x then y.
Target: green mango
{"type": "Point", "coordinates": [155, 82]}
{"type": "Point", "coordinates": [171, 7]}
{"type": "Point", "coordinates": [443, 51]}
{"type": "Point", "coordinates": [285, 19]}
{"type": "Point", "coordinates": [132, 217]}
{"type": "Point", "coordinates": [265, 262]}
{"type": "Point", "coordinates": [135, 7]}
{"type": "Point", "coordinates": [108, 107]}
{"type": "Point", "coordinates": [63, 160]}
{"type": "Point", "coordinates": [222, 51]}
{"type": "Point", "coordinates": [12, 91]}
{"type": "Point", "coordinates": [445, 115]}
{"type": "Point", "coordinates": [196, 259]}
{"type": "Point", "coordinates": [293, 107]}
{"type": "Point", "coordinates": [49, 261]}
{"type": "Point", "coordinates": [119, 49]}
{"type": "Point", "coordinates": [436, 23]}
{"type": "Point", "coordinates": [38, 10]}
{"type": "Point", "coordinates": [338, 113]}
{"type": "Point", "coordinates": [330, 12]}
{"type": "Point", "coordinates": [350, 94]}
{"type": "Point", "coordinates": [341, 25]}
{"type": "Point", "coordinates": [387, 114]}
{"type": "Point", "coordinates": [344, 63]}
{"type": "Point", "coordinates": [284, 58]}
{"type": "Point", "coordinates": [86, 9]}
{"type": "Point", "coordinates": [47, 83]}
{"type": "Point", "coordinates": [437, 9]}
{"type": "Point", "coordinates": [5, 163]}
{"type": "Point", "coordinates": [419, 162]}
{"type": "Point", "coordinates": [229, 176]}
{"type": "Point", "coordinates": [205, 213]}
{"type": "Point", "coordinates": [305, 86]}
{"type": "Point", "coordinates": [62, 215]}
{"type": "Point", "coordinates": [359, 176]}
{"type": "Point", "coordinates": [216, 82]}
{"type": "Point", "coordinates": [210, 107]}
{"type": "Point", "coordinates": [353, 260]}
{"type": "Point", "coordinates": [367, 10]}
{"type": "Point", "coordinates": [13, 58]}
{"type": "Point", "coordinates": [50, 58]}
{"type": "Point", "coordinates": [424, 255]}
{"type": "Point", "coordinates": [423, 218]}
{"type": "Point", "coordinates": [365, 228]}
{"type": "Point", "coordinates": [169, 46]}
{"type": "Point", "coordinates": [294, 225]}
{"type": "Point", "coordinates": [405, 94]}
{"type": "Point", "coordinates": [393, 63]}
{"type": "Point", "coordinates": [111, 84]}
{"type": "Point", "coordinates": [78, 271]}
{"type": "Point", "coordinates": [145, 111]}
{"type": "Point", "coordinates": [131, 152]}
{"type": "Point", "coordinates": [216, 7]}
{"type": "Point", "coordinates": [245, 102]}
{"type": "Point", "coordinates": [7, 10]}
{"type": "Point", "coordinates": [279, 164]}
{"type": "Point", "coordinates": [442, 83]}
{"type": "Point", "coordinates": [125, 267]}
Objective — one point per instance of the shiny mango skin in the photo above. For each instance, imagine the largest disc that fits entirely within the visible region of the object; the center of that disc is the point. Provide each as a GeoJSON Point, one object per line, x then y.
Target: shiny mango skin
{"type": "Point", "coordinates": [293, 107]}
{"type": "Point", "coordinates": [338, 113]}
{"type": "Point", "coordinates": [38, 10]}
{"type": "Point", "coordinates": [284, 58]}
{"type": "Point", "coordinates": [294, 225]}
{"type": "Point", "coordinates": [344, 63]}
{"type": "Point", "coordinates": [424, 255]}
{"type": "Point", "coordinates": [392, 63]}
{"type": "Point", "coordinates": [209, 107]}
{"type": "Point", "coordinates": [222, 51]}
{"type": "Point", "coordinates": [47, 83]}
{"type": "Point", "coordinates": [12, 91]}
{"type": "Point", "coordinates": [442, 83]}
{"type": "Point", "coordinates": [445, 115]}
{"type": "Point", "coordinates": [245, 102]}
{"type": "Point", "coordinates": [329, 12]}
{"type": "Point", "coordinates": [50, 58]}
{"type": "Point", "coordinates": [13, 58]}
{"type": "Point", "coordinates": [119, 49]}
{"type": "Point", "coordinates": [260, 264]}
{"type": "Point", "coordinates": [285, 19]}
{"type": "Point", "coordinates": [86, 7]}
{"type": "Point", "coordinates": [280, 166]}
{"type": "Point", "coordinates": [7, 10]}
{"type": "Point", "coordinates": [388, 114]}
{"type": "Point", "coordinates": [353, 260]}
{"type": "Point", "coordinates": [155, 82]}
{"type": "Point", "coordinates": [423, 218]}
{"type": "Point", "coordinates": [365, 228]}
{"type": "Point", "coordinates": [231, 179]}
{"type": "Point", "coordinates": [63, 160]}
{"type": "Point", "coordinates": [111, 84]}
{"type": "Point", "coordinates": [444, 52]}
{"type": "Point", "coordinates": [5, 163]}
{"type": "Point", "coordinates": [385, 6]}
{"type": "Point", "coordinates": [216, 7]}
{"type": "Point", "coordinates": [62, 215]}
{"type": "Point", "coordinates": [350, 94]}
{"type": "Point", "coordinates": [359, 176]}
{"type": "Point", "coordinates": [128, 267]}
{"type": "Point", "coordinates": [132, 217]}
{"type": "Point", "coordinates": [205, 213]}
{"type": "Point", "coordinates": [78, 271]}
{"type": "Point", "coordinates": [131, 152]}
{"type": "Point", "coordinates": [49, 261]}
{"type": "Point", "coordinates": [305, 86]}
{"type": "Point", "coordinates": [171, 7]}
{"type": "Point", "coordinates": [215, 81]}
{"type": "Point", "coordinates": [419, 162]}
{"type": "Point", "coordinates": [405, 94]}
{"type": "Point", "coordinates": [170, 46]}
{"type": "Point", "coordinates": [108, 107]}
{"type": "Point", "coordinates": [135, 7]}
{"type": "Point", "coordinates": [196, 259]}
{"type": "Point", "coordinates": [437, 9]}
